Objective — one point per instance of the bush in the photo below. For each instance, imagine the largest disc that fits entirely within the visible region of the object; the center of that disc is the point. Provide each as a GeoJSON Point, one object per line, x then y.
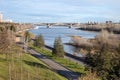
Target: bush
{"type": "Point", "coordinates": [39, 41]}
{"type": "Point", "coordinates": [105, 63]}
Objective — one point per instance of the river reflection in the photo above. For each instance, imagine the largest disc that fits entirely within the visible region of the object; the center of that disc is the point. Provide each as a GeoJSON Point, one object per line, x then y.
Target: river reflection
{"type": "Point", "coordinates": [51, 33]}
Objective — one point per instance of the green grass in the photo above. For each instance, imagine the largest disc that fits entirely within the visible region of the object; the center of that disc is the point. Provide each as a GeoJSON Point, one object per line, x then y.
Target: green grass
{"type": "Point", "coordinates": [26, 66]}
{"type": "Point", "coordinates": [3, 70]}
{"type": "Point", "coordinates": [63, 61]}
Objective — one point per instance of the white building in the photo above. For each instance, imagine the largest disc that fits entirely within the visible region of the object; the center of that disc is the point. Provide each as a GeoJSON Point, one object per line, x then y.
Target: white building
{"type": "Point", "coordinates": [1, 17]}
{"type": "Point", "coordinates": [7, 20]}
{"type": "Point", "coordinates": [2, 20]}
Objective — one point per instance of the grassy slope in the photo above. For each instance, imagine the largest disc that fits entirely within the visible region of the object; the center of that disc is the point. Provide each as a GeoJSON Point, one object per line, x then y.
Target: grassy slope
{"type": "Point", "coordinates": [65, 62]}
{"type": "Point", "coordinates": [32, 69]}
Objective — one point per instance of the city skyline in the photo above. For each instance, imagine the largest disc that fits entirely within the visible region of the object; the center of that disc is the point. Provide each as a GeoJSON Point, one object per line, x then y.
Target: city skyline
{"type": "Point", "coordinates": [60, 10]}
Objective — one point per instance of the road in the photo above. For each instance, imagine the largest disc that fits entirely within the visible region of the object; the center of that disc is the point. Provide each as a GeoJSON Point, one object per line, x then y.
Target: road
{"type": "Point", "coordinates": [70, 75]}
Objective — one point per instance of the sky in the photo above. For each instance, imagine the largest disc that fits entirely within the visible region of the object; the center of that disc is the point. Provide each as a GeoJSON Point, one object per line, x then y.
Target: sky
{"type": "Point", "coordinates": [60, 10]}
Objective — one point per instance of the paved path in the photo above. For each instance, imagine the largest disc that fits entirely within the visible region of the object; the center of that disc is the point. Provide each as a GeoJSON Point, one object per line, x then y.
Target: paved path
{"type": "Point", "coordinates": [79, 60]}
{"type": "Point", "coordinates": [70, 75]}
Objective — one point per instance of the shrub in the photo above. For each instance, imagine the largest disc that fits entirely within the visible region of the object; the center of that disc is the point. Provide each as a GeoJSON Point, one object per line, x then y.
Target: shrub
{"type": "Point", "coordinates": [39, 41]}
{"type": "Point", "coordinates": [58, 48]}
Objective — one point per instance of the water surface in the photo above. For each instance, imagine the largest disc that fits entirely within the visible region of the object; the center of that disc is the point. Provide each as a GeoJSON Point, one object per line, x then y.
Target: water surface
{"type": "Point", "coordinates": [51, 33]}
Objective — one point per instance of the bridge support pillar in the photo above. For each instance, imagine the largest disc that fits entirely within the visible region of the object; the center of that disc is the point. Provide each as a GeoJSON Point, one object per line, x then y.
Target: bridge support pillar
{"type": "Point", "coordinates": [70, 26]}
{"type": "Point", "coordinates": [48, 26]}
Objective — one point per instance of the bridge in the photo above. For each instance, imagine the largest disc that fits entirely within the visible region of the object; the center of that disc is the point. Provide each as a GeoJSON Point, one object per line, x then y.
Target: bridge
{"type": "Point", "coordinates": [48, 25]}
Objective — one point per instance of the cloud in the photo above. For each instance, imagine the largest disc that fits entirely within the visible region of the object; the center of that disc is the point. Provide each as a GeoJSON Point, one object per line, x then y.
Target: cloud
{"type": "Point", "coordinates": [60, 10]}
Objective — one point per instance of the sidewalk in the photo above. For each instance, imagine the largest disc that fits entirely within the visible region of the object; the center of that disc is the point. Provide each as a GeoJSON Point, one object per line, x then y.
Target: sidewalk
{"type": "Point", "coordinates": [70, 75]}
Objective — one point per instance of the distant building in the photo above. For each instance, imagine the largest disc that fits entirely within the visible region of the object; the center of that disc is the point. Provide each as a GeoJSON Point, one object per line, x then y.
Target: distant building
{"type": "Point", "coordinates": [19, 39]}
{"type": "Point", "coordinates": [7, 20]}
{"type": "Point", "coordinates": [1, 17]}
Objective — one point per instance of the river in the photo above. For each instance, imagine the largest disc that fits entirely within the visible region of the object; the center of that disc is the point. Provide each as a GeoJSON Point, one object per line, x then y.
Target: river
{"type": "Point", "coordinates": [51, 33]}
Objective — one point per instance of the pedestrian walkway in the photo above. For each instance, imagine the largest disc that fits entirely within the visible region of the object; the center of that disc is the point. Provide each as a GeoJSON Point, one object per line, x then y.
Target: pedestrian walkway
{"type": "Point", "coordinates": [70, 75]}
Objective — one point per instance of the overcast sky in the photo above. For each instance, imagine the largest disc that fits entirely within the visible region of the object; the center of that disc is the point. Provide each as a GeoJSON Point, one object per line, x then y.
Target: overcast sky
{"type": "Point", "coordinates": [60, 10]}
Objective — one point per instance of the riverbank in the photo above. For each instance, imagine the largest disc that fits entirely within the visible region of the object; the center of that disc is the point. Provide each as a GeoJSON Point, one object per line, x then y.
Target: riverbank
{"type": "Point", "coordinates": [74, 58]}
{"type": "Point", "coordinates": [110, 27]}
{"type": "Point", "coordinates": [85, 45]}
{"type": "Point", "coordinates": [19, 28]}
{"type": "Point", "coordinates": [82, 45]}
